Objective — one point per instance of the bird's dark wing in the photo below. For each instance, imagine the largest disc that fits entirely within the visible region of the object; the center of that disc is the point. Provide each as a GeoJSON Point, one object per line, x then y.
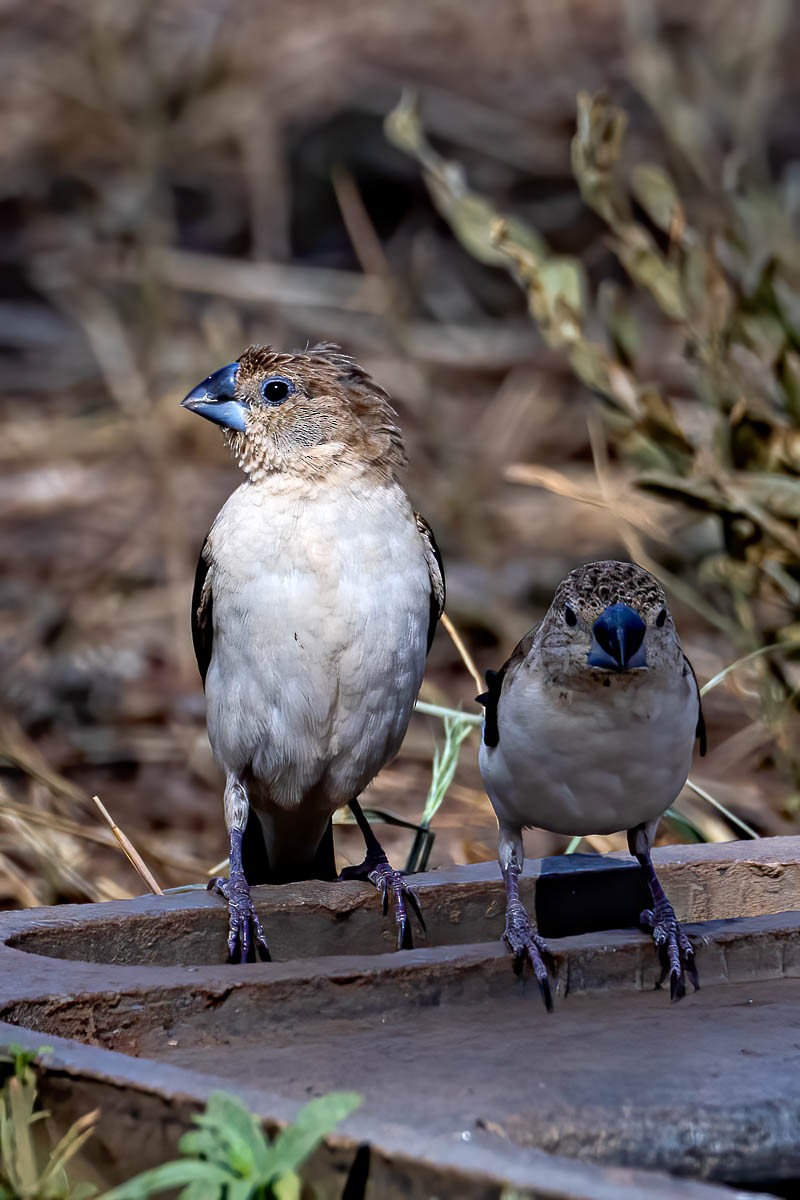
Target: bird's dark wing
{"type": "Point", "coordinates": [494, 686]}
{"type": "Point", "coordinates": [700, 731]}
{"type": "Point", "coordinates": [436, 573]}
{"type": "Point", "coordinates": [202, 614]}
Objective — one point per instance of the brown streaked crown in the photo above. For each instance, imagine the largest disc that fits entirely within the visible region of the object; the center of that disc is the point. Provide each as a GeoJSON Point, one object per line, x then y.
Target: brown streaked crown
{"type": "Point", "coordinates": [563, 640]}
{"type": "Point", "coordinates": [593, 587]}
{"type": "Point", "coordinates": [336, 413]}
{"type": "Point", "coordinates": [560, 647]}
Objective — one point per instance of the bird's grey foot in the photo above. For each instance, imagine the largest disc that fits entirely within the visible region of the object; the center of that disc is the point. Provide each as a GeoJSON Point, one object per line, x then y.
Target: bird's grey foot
{"type": "Point", "coordinates": [246, 936]}
{"type": "Point", "coordinates": [675, 951]}
{"type": "Point", "coordinates": [391, 886]}
{"type": "Point", "coordinates": [527, 945]}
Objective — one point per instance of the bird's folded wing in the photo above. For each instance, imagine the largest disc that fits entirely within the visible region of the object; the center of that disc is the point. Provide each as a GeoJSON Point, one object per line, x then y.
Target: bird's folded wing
{"type": "Point", "coordinates": [202, 613]}
{"type": "Point", "coordinates": [700, 731]}
{"type": "Point", "coordinates": [494, 686]}
{"type": "Point", "coordinates": [436, 573]}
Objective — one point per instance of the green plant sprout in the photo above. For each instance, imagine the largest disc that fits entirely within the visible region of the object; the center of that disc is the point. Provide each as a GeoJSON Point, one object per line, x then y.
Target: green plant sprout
{"type": "Point", "coordinates": [226, 1157]}
{"type": "Point", "coordinates": [457, 726]}
{"type": "Point", "coordinates": [445, 761]}
{"type": "Point", "coordinates": [229, 1157]}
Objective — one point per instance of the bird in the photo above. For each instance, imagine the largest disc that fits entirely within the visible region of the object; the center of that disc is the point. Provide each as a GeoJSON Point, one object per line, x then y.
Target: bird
{"type": "Point", "coordinates": [317, 594]}
{"type": "Point", "coordinates": [589, 728]}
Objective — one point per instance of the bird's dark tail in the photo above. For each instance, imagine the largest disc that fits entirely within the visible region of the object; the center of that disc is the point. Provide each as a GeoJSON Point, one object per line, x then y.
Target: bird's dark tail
{"type": "Point", "coordinates": [258, 869]}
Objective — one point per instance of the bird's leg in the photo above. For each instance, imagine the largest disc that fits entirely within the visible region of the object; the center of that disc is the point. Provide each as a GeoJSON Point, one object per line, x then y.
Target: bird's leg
{"type": "Point", "coordinates": [675, 951]}
{"type": "Point", "coordinates": [520, 936]}
{"type": "Point", "coordinates": [245, 934]}
{"type": "Point", "coordinates": [390, 883]}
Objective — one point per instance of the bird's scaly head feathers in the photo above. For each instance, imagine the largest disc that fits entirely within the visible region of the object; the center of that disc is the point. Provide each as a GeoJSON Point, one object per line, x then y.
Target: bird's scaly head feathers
{"type": "Point", "coordinates": [607, 618]}
{"type": "Point", "coordinates": [301, 413]}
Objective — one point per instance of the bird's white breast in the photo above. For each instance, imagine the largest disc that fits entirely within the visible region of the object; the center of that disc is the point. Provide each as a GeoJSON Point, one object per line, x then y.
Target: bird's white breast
{"type": "Point", "coordinates": [595, 760]}
{"type": "Point", "coordinates": [321, 604]}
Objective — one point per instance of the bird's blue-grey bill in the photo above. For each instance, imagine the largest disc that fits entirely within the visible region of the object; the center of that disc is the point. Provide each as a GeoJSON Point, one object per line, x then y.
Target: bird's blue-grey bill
{"type": "Point", "coordinates": [215, 399]}
{"type": "Point", "coordinates": [618, 640]}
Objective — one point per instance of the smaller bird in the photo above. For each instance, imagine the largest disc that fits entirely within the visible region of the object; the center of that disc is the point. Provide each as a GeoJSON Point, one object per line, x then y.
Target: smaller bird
{"type": "Point", "coordinates": [589, 728]}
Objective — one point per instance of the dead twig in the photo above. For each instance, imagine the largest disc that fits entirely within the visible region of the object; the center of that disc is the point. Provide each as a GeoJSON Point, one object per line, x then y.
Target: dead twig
{"type": "Point", "coordinates": [466, 657]}
{"type": "Point", "coordinates": [129, 850]}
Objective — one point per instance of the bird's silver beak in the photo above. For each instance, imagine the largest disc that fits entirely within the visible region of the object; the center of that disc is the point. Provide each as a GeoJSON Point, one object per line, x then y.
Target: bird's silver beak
{"type": "Point", "coordinates": [618, 640]}
{"type": "Point", "coordinates": [215, 399]}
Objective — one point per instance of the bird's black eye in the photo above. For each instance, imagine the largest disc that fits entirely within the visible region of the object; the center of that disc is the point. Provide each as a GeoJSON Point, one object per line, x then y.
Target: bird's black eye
{"type": "Point", "coordinates": [661, 618]}
{"type": "Point", "coordinates": [569, 615]}
{"type": "Point", "coordinates": [276, 390]}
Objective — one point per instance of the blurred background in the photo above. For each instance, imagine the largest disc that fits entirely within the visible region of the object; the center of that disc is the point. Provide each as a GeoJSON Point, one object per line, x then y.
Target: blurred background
{"type": "Point", "coordinates": [571, 255]}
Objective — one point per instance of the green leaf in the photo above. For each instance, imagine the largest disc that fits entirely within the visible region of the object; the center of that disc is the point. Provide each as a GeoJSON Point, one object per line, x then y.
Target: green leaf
{"type": "Point", "coordinates": [619, 319]}
{"type": "Point", "coordinates": [197, 1190]}
{"type": "Point", "coordinates": [287, 1187]}
{"type": "Point", "coordinates": [21, 1094]}
{"type": "Point", "coordinates": [22, 1058]}
{"type": "Point", "coordinates": [661, 277]}
{"type": "Point", "coordinates": [228, 1134]}
{"type": "Point", "coordinates": [684, 826]}
{"type": "Point", "coordinates": [445, 762]}
{"type": "Point", "coordinates": [563, 282]}
{"type": "Point", "coordinates": [207, 1181]}
{"type": "Point", "coordinates": [655, 190]}
{"type": "Point", "coordinates": [246, 1188]}
{"type": "Point", "coordinates": [470, 215]}
{"type": "Point", "coordinates": [297, 1141]}
{"type": "Point", "coordinates": [82, 1191]}
{"type": "Point", "coordinates": [231, 1158]}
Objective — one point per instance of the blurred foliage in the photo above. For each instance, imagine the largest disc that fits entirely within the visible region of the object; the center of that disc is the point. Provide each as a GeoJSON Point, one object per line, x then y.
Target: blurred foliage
{"type": "Point", "coordinates": [28, 1169]}
{"type": "Point", "coordinates": [728, 285]}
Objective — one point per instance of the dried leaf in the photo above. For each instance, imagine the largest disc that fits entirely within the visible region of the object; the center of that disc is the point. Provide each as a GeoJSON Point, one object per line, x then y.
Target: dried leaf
{"type": "Point", "coordinates": [696, 492]}
{"type": "Point", "coordinates": [595, 150]}
{"type": "Point", "coordinates": [779, 494]}
{"type": "Point", "coordinates": [764, 334]}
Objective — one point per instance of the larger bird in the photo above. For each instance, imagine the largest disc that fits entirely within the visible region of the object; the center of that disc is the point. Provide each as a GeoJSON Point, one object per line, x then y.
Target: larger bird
{"type": "Point", "coordinates": [589, 728]}
{"type": "Point", "coordinates": [317, 595]}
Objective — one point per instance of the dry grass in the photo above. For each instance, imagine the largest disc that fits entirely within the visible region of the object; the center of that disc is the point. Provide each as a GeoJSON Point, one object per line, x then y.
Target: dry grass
{"type": "Point", "coordinates": [169, 199]}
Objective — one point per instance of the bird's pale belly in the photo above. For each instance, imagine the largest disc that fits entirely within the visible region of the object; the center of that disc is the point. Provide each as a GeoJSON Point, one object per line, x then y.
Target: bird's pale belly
{"type": "Point", "coordinates": [588, 800]}
{"type": "Point", "coordinates": [319, 652]}
{"type": "Point", "coordinates": [598, 770]}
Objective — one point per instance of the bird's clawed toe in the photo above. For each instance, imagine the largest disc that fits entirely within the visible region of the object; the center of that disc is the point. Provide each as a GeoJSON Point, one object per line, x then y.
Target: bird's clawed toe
{"type": "Point", "coordinates": [675, 951]}
{"type": "Point", "coordinates": [526, 945]}
{"type": "Point", "coordinates": [246, 937]}
{"type": "Point", "coordinates": [391, 886]}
